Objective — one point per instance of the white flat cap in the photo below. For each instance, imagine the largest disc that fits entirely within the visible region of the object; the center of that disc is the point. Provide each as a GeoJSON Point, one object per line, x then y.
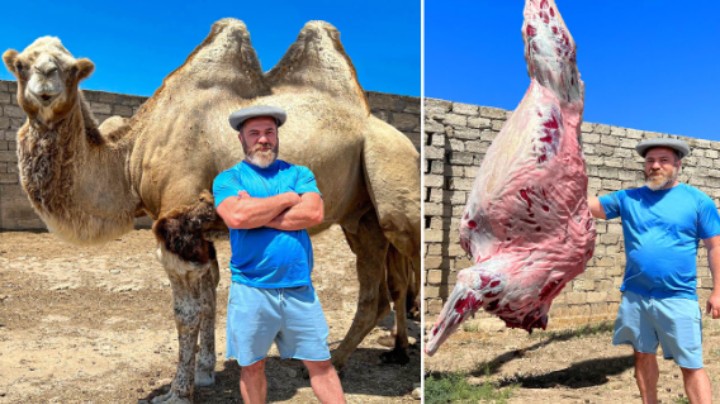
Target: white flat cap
{"type": "Point", "coordinates": [679, 146]}
{"type": "Point", "coordinates": [239, 117]}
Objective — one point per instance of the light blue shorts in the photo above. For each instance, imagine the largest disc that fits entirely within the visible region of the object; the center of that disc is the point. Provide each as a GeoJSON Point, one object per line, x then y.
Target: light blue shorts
{"type": "Point", "coordinates": [675, 324]}
{"type": "Point", "coordinates": [291, 317]}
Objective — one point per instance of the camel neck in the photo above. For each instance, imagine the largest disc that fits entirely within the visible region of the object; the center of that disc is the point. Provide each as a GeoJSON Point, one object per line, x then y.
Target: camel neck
{"type": "Point", "coordinates": [75, 182]}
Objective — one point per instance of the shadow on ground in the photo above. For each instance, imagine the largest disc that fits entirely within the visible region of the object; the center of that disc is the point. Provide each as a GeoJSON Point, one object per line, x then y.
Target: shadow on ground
{"type": "Point", "coordinates": [593, 372]}
{"type": "Point", "coordinates": [588, 373]}
{"type": "Point", "coordinates": [286, 377]}
{"type": "Point", "coordinates": [493, 366]}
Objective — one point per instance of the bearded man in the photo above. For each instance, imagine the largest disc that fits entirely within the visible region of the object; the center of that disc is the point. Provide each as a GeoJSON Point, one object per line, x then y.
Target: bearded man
{"type": "Point", "coordinates": [268, 204]}
{"type": "Point", "coordinates": [663, 223]}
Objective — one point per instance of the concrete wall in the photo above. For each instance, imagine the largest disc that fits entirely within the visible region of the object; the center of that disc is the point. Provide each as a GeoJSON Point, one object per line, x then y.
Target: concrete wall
{"type": "Point", "coordinates": [456, 139]}
{"type": "Point", "coordinates": [15, 211]}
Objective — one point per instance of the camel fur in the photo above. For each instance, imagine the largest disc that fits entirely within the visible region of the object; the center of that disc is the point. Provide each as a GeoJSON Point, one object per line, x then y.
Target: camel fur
{"type": "Point", "coordinates": [88, 182]}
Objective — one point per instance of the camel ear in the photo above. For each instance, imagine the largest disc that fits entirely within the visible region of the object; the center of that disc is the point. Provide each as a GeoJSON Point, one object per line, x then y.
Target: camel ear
{"type": "Point", "coordinates": [84, 68]}
{"type": "Point", "coordinates": [9, 58]}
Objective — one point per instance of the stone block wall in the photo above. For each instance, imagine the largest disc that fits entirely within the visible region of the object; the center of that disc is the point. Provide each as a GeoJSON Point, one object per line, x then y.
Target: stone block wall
{"type": "Point", "coordinates": [403, 112]}
{"type": "Point", "coordinates": [400, 111]}
{"type": "Point", "coordinates": [456, 139]}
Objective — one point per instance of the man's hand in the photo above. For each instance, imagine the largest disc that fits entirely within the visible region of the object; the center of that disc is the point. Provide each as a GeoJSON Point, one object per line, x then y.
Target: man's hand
{"type": "Point", "coordinates": [292, 197]}
{"type": "Point", "coordinates": [713, 251]}
{"type": "Point", "coordinates": [713, 305]}
{"type": "Point", "coordinates": [596, 208]}
{"type": "Point", "coordinates": [246, 212]}
{"type": "Point", "coordinates": [307, 213]}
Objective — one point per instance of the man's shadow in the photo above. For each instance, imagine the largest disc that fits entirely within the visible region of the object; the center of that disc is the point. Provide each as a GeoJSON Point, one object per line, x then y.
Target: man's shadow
{"type": "Point", "coordinates": [363, 375]}
{"type": "Point", "coordinates": [589, 373]}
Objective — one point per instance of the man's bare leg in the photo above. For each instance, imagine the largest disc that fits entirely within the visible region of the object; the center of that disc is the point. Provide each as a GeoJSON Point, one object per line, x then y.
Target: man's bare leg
{"type": "Point", "coordinates": [253, 383]}
{"type": "Point", "coordinates": [325, 381]}
{"type": "Point", "coordinates": [697, 385]}
{"type": "Point", "coordinates": [646, 376]}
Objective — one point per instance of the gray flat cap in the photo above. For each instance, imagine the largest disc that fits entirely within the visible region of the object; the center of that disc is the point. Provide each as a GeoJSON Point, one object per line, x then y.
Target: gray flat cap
{"type": "Point", "coordinates": [239, 117]}
{"type": "Point", "coordinates": [678, 145]}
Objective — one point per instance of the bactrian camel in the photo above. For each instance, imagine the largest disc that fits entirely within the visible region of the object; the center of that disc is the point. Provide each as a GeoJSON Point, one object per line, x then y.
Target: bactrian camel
{"type": "Point", "coordinates": [89, 182]}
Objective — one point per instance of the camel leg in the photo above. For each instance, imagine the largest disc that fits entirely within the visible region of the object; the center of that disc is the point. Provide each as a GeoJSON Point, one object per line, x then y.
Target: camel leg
{"type": "Point", "coordinates": [205, 361]}
{"type": "Point", "coordinates": [370, 248]}
{"type": "Point", "coordinates": [414, 295]}
{"type": "Point", "coordinates": [391, 166]}
{"type": "Point", "coordinates": [186, 279]}
{"type": "Point", "coordinates": [191, 264]}
{"type": "Point", "coordinates": [399, 281]}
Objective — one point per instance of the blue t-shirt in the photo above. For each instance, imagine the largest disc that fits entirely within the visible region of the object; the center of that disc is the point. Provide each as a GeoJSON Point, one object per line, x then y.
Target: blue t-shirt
{"type": "Point", "coordinates": [264, 257]}
{"type": "Point", "coordinates": [662, 230]}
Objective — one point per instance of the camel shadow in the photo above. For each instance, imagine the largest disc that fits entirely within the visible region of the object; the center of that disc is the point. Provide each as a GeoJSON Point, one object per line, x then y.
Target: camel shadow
{"type": "Point", "coordinates": [362, 375]}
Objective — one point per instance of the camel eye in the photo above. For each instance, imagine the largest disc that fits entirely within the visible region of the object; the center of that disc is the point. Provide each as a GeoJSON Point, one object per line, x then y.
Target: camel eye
{"type": "Point", "coordinates": [19, 67]}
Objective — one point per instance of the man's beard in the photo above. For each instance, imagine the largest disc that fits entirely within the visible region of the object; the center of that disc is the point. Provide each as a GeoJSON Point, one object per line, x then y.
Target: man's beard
{"type": "Point", "coordinates": [661, 180]}
{"type": "Point", "coordinates": [259, 157]}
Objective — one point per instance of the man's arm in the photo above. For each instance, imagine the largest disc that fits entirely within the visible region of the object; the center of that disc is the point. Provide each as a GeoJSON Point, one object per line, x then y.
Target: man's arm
{"type": "Point", "coordinates": [246, 212]}
{"type": "Point", "coordinates": [307, 213]}
{"type": "Point", "coordinates": [713, 251]}
{"type": "Point", "coordinates": [596, 208]}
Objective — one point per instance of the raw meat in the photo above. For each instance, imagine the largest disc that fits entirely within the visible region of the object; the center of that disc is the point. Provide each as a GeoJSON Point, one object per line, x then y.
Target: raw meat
{"type": "Point", "coordinates": [527, 224]}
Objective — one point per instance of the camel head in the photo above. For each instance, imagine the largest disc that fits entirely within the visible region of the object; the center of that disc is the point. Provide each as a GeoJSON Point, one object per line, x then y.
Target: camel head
{"type": "Point", "coordinates": [47, 76]}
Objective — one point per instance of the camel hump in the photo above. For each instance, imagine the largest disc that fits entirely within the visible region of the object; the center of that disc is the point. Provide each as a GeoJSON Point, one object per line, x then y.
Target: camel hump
{"type": "Point", "coordinates": [228, 43]}
{"type": "Point", "coordinates": [318, 59]}
{"type": "Point", "coordinates": [225, 58]}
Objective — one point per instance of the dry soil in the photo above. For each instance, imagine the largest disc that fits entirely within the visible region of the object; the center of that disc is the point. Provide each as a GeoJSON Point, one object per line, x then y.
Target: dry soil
{"type": "Point", "coordinates": [561, 366]}
{"type": "Point", "coordinates": [95, 324]}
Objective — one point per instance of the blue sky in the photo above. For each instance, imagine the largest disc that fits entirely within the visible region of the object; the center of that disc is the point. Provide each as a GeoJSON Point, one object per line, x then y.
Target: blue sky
{"type": "Point", "coordinates": [135, 44]}
{"type": "Point", "coordinates": [647, 64]}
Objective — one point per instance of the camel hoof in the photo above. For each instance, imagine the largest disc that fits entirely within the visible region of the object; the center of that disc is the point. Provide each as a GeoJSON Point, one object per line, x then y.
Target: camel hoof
{"type": "Point", "coordinates": [204, 378]}
{"type": "Point", "coordinates": [171, 398]}
{"type": "Point", "coordinates": [397, 356]}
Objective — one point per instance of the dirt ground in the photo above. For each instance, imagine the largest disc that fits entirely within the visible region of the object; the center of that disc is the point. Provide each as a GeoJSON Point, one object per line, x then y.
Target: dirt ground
{"type": "Point", "coordinates": [95, 324]}
{"type": "Point", "coordinates": [561, 366]}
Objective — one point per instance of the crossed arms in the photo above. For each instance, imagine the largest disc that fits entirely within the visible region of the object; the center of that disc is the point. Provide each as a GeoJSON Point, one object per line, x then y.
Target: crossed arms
{"type": "Point", "coordinates": [286, 211]}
